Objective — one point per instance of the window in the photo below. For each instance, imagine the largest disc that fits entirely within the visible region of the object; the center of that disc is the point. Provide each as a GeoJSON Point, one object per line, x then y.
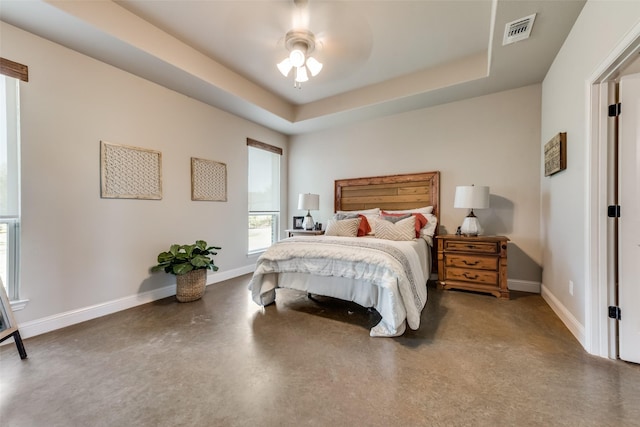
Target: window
{"type": "Point", "coordinates": [264, 194]}
{"type": "Point", "coordinates": [10, 173]}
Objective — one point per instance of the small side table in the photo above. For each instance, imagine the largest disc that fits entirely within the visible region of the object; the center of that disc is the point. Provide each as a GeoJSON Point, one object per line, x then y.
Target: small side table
{"type": "Point", "coordinates": [473, 263]}
{"type": "Point", "coordinates": [300, 232]}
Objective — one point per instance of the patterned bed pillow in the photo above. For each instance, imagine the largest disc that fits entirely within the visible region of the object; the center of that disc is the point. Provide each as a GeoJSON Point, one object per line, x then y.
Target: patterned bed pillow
{"type": "Point", "coordinates": [370, 214]}
{"type": "Point", "coordinates": [363, 229]}
{"type": "Point", "coordinates": [421, 220]}
{"type": "Point", "coordinates": [405, 229]}
{"type": "Point", "coordinates": [343, 227]}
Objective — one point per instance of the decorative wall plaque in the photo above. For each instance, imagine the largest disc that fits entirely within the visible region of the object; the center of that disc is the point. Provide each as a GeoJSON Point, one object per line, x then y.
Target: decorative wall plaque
{"type": "Point", "coordinates": [208, 180]}
{"type": "Point", "coordinates": [555, 154]}
{"type": "Point", "coordinates": [130, 172]}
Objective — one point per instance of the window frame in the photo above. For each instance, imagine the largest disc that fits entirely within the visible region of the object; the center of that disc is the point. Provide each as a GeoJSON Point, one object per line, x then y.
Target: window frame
{"type": "Point", "coordinates": [12, 266]}
{"type": "Point", "coordinates": [276, 214]}
{"type": "Point", "coordinates": [19, 72]}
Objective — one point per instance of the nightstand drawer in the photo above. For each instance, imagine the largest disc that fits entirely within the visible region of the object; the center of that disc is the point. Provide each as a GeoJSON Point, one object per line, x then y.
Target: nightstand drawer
{"type": "Point", "coordinates": [476, 276]}
{"type": "Point", "coordinates": [471, 261]}
{"type": "Point", "coordinates": [470, 246]}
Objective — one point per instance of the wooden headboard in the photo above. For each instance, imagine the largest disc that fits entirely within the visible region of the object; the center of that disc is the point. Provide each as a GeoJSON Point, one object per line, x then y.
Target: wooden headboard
{"type": "Point", "coordinates": [392, 192]}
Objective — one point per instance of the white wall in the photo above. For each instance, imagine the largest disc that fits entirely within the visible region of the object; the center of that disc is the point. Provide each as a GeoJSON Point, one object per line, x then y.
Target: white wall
{"type": "Point", "coordinates": [565, 108]}
{"type": "Point", "coordinates": [79, 250]}
{"type": "Point", "coordinates": [490, 140]}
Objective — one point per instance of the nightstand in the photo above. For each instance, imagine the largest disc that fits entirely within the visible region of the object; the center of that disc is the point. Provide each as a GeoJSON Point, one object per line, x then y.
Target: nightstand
{"type": "Point", "coordinates": [473, 263]}
{"type": "Point", "coordinates": [300, 232]}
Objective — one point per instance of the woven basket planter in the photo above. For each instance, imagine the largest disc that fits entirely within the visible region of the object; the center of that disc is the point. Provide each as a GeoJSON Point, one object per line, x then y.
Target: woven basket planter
{"type": "Point", "coordinates": [191, 286]}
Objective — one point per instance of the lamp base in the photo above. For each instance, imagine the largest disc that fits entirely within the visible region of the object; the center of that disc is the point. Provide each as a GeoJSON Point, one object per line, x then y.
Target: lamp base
{"type": "Point", "coordinates": [307, 224]}
{"type": "Point", "coordinates": [470, 226]}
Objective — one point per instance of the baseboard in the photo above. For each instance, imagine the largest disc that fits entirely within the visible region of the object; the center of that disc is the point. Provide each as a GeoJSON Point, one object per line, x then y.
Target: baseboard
{"type": "Point", "coordinates": [62, 320]}
{"type": "Point", "coordinates": [221, 276]}
{"type": "Point", "coordinates": [574, 326]}
{"type": "Point", "coordinates": [523, 285]}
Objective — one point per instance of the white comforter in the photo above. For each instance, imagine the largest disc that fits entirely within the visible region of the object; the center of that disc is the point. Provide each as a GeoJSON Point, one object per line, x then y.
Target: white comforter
{"type": "Point", "coordinates": [394, 273]}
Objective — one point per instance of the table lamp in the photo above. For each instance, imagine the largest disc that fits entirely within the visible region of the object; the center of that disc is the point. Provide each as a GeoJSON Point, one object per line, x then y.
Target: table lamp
{"type": "Point", "coordinates": [471, 197]}
{"type": "Point", "coordinates": [308, 202]}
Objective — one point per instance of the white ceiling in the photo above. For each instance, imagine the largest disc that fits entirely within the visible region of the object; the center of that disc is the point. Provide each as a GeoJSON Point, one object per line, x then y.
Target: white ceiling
{"type": "Point", "coordinates": [380, 57]}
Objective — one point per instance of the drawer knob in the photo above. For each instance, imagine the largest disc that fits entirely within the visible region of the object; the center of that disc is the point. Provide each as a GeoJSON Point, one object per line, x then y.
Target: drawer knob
{"type": "Point", "coordinates": [470, 263]}
{"type": "Point", "coordinates": [471, 246]}
{"type": "Point", "coordinates": [468, 276]}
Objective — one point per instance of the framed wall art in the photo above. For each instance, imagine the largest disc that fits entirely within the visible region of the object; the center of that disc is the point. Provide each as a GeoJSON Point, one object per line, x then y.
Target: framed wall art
{"type": "Point", "coordinates": [555, 154]}
{"type": "Point", "coordinates": [130, 172]}
{"type": "Point", "coordinates": [208, 180]}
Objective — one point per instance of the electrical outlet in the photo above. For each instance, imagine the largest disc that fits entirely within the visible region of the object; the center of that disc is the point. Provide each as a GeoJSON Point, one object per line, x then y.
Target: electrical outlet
{"type": "Point", "coordinates": [571, 287]}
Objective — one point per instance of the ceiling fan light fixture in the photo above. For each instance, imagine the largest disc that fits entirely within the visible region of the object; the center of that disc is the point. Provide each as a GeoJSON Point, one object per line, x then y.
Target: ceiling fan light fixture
{"type": "Point", "coordinates": [314, 66]}
{"type": "Point", "coordinates": [300, 44]}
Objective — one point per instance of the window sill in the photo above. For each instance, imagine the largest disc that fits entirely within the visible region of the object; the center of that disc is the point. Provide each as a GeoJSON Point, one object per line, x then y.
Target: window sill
{"type": "Point", "coordinates": [18, 305]}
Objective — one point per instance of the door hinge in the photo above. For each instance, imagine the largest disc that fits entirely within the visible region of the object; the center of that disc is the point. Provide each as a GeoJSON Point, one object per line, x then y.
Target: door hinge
{"type": "Point", "coordinates": [614, 312]}
{"type": "Point", "coordinates": [614, 110]}
{"type": "Point", "coordinates": [613, 211]}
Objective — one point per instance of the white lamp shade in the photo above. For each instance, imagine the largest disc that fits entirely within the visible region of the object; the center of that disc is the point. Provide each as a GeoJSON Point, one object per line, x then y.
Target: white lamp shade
{"type": "Point", "coordinates": [309, 202]}
{"type": "Point", "coordinates": [285, 66]}
{"type": "Point", "coordinates": [471, 197]}
{"type": "Point", "coordinates": [314, 66]}
{"type": "Point", "coordinates": [301, 74]}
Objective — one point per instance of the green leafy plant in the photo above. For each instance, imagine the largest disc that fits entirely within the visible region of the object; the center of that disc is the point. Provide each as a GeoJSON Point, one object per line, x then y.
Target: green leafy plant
{"type": "Point", "coordinates": [181, 259]}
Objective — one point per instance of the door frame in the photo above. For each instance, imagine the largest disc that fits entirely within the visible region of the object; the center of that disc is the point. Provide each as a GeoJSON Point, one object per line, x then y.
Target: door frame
{"type": "Point", "coordinates": [600, 331]}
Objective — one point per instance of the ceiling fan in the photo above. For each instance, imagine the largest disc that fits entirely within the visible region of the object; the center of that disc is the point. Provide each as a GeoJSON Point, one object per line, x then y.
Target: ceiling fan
{"type": "Point", "coordinates": [339, 41]}
{"type": "Point", "coordinates": [300, 42]}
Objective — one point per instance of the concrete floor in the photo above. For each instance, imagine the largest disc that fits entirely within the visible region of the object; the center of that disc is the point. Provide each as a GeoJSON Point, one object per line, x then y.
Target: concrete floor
{"type": "Point", "coordinates": [224, 361]}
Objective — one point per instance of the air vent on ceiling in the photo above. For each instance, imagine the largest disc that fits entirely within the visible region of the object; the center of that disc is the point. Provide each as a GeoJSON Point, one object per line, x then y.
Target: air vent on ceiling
{"type": "Point", "coordinates": [518, 30]}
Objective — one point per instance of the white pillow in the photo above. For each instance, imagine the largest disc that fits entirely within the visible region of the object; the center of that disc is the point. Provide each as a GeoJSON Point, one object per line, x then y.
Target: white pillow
{"type": "Point", "coordinates": [424, 211]}
{"type": "Point", "coordinates": [405, 229]}
{"type": "Point", "coordinates": [343, 227]}
{"type": "Point", "coordinates": [429, 229]}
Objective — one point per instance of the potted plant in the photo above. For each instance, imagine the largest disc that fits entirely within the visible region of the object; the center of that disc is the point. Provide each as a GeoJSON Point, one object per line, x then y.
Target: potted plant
{"type": "Point", "coordinates": [189, 263]}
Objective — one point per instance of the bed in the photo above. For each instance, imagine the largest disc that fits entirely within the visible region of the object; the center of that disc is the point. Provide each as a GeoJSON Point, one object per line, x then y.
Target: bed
{"type": "Point", "coordinates": [385, 266]}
